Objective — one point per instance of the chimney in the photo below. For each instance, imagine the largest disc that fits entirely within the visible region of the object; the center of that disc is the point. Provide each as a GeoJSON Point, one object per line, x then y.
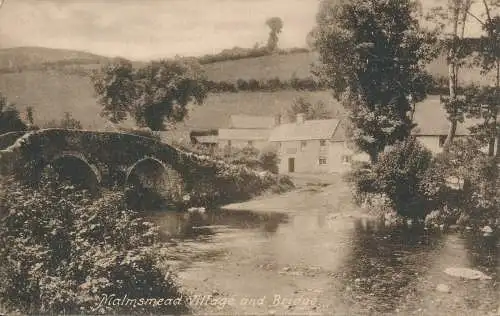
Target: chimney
{"type": "Point", "coordinates": [277, 120]}
{"type": "Point", "coordinates": [300, 118]}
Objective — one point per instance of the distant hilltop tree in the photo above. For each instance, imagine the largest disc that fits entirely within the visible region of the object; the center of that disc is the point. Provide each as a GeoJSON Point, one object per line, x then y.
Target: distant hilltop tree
{"type": "Point", "coordinates": [276, 25]}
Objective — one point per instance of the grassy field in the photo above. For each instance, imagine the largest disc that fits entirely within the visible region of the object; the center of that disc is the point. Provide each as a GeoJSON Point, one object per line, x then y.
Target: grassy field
{"type": "Point", "coordinates": [54, 92]}
{"type": "Point", "coordinates": [266, 67]}
{"type": "Point", "coordinates": [51, 94]}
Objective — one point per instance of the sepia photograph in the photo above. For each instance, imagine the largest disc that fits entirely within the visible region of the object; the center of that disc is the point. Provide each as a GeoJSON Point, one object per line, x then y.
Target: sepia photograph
{"type": "Point", "coordinates": [250, 157]}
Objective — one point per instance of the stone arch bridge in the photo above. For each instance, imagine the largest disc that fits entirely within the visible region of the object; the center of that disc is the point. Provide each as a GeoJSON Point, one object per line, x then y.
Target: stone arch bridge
{"type": "Point", "coordinates": [110, 159]}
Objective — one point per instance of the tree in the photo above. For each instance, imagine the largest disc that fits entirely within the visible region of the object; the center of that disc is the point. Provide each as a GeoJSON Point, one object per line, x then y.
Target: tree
{"type": "Point", "coordinates": [487, 100]}
{"type": "Point", "coordinates": [10, 118]}
{"type": "Point", "coordinates": [276, 25]}
{"type": "Point", "coordinates": [372, 55]}
{"type": "Point", "coordinates": [454, 16]}
{"type": "Point", "coordinates": [316, 111]}
{"type": "Point", "coordinates": [115, 88]}
{"type": "Point", "coordinates": [152, 94]}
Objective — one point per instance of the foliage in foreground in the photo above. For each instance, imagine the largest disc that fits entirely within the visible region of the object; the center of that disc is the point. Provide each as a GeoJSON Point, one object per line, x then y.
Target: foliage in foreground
{"type": "Point", "coordinates": [61, 252]}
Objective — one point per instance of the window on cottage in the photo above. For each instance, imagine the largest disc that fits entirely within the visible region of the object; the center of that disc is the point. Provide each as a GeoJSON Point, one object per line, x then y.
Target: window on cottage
{"type": "Point", "coordinates": [322, 142]}
{"type": "Point", "coordinates": [346, 159]}
{"type": "Point", "coordinates": [442, 139]}
{"type": "Point", "coordinates": [322, 160]}
{"type": "Point", "coordinates": [303, 144]}
{"type": "Point", "coordinates": [228, 143]}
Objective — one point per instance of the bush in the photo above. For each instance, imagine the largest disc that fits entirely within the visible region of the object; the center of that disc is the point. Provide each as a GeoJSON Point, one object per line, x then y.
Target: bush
{"type": "Point", "coordinates": [401, 174]}
{"type": "Point", "coordinates": [402, 178]}
{"type": "Point", "coordinates": [62, 252]}
{"type": "Point", "coordinates": [268, 160]}
{"type": "Point", "coordinates": [475, 175]}
{"type": "Point", "coordinates": [10, 119]}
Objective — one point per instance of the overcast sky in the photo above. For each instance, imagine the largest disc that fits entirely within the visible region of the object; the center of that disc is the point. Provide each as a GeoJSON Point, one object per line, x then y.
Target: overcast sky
{"type": "Point", "coordinates": [144, 29]}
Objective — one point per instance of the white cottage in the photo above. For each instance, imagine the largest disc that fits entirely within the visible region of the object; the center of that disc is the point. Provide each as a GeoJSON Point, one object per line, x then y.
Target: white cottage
{"type": "Point", "coordinates": [313, 146]}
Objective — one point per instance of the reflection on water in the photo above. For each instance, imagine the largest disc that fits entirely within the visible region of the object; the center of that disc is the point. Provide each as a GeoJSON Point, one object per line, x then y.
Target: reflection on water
{"type": "Point", "coordinates": [484, 252]}
{"type": "Point", "coordinates": [385, 263]}
{"type": "Point", "coordinates": [194, 225]}
{"type": "Point", "coordinates": [383, 266]}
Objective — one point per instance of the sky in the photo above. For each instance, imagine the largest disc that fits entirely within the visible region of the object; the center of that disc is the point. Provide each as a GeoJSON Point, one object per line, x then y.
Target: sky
{"type": "Point", "coordinates": [146, 29]}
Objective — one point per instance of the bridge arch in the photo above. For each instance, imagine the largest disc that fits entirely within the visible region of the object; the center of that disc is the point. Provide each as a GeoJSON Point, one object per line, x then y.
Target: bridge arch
{"type": "Point", "coordinates": [76, 168]}
{"type": "Point", "coordinates": [147, 166]}
{"type": "Point", "coordinates": [150, 182]}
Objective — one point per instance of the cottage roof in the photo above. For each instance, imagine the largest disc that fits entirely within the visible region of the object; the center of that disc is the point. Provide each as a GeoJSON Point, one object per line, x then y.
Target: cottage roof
{"type": "Point", "coordinates": [431, 119]}
{"type": "Point", "coordinates": [308, 130]}
{"type": "Point", "coordinates": [251, 122]}
{"type": "Point", "coordinates": [244, 134]}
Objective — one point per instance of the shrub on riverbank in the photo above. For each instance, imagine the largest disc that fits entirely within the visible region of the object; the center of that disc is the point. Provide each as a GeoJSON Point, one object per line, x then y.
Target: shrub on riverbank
{"type": "Point", "coordinates": [401, 176]}
{"type": "Point", "coordinates": [459, 186]}
{"type": "Point", "coordinates": [475, 178]}
{"type": "Point", "coordinates": [232, 182]}
{"type": "Point", "coordinates": [62, 252]}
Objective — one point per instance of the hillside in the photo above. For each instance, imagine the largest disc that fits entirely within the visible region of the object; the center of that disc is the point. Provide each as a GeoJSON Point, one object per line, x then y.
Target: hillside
{"type": "Point", "coordinates": [266, 67]}
{"type": "Point", "coordinates": [53, 92]}
{"type": "Point", "coordinates": [26, 57]}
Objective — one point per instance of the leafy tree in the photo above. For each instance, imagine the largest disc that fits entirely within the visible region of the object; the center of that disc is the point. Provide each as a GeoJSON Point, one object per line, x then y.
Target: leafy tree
{"type": "Point", "coordinates": [312, 111]}
{"type": "Point", "coordinates": [454, 17]}
{"type": "Point", "coordinates": [10, 119]}
{"type": "Point", "coordinates": [276, 25]}
{"type": "Point", "coordinates": [487, 100]}
{"type": "Point", "coordinates": [152, 94]}
{"type": "Point", "coordinates": [114, 86]}
{"type": "Point", "coordinates": [372, 54]}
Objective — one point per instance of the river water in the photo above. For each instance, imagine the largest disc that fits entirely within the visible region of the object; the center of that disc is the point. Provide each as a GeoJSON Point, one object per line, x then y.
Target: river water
{"type": "Point", "coordinates": [316, 257]}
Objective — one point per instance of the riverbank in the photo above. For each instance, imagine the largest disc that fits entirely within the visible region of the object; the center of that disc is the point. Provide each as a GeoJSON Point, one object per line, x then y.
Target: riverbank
{"type": "Point", "coordinates": [313, 252]}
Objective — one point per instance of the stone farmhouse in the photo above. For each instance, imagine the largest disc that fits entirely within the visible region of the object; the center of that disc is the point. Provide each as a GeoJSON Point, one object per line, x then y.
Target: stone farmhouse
{"type": "Point", "coordinates": [312, 146]}
{"type": "Point", "coordinates": [315, 146]}
{"type": "Point", "coordinates": [246, 131]}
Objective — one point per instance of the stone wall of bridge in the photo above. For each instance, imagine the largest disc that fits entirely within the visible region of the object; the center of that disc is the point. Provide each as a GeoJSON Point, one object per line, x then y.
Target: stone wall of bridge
{"type": "Point", "coordinates": [111, 159]}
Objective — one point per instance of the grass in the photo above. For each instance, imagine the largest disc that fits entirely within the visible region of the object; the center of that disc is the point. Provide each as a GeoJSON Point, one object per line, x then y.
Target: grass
{"type": "Point", "coordinates": [51, 93]}
{"type": "Point", "coordinates": [266, 67]}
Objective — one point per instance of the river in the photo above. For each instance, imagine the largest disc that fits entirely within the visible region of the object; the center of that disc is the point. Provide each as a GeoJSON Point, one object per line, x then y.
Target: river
{"type": "Point", "coordinates": [313, 252]}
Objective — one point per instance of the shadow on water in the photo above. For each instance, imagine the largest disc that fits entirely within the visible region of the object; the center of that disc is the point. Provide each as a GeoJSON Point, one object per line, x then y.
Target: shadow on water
{"type": "Point", "coordinates": [198, 225]}
{"type": "Point", "coordinates": [483, 252]}
{"type": "Point", "coordinates": [384, 264]}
